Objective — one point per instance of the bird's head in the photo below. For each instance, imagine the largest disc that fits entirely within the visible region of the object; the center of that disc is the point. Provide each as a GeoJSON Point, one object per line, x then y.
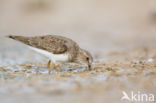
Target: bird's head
{"type": "Point", "coordinates": [84, 57]}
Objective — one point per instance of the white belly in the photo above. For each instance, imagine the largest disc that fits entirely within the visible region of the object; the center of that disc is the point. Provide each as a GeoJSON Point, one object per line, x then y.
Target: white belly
{"type": "Point", "coordinates": [51, 56]}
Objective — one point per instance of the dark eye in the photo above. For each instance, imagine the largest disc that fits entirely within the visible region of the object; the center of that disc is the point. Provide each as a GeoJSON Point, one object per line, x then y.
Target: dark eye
{"type": "Point", "coordinates": [87, 58]}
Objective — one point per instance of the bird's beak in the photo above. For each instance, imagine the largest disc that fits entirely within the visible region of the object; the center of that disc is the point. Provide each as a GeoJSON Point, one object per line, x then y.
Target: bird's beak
{"type": "Point", "coordinates": [89, 67]}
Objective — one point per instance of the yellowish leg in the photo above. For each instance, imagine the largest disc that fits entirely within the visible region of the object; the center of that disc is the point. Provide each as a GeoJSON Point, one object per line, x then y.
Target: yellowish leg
{"type": "Point", "coordinates": [48, 66]}
{"type": "Point", "coordinates": [54, 67]}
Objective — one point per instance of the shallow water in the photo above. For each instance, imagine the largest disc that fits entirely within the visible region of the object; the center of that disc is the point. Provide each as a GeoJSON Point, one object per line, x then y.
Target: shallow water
{"type": "Point", "coordinates": [26, 76]}
{"type": "Point", "coordinates": [120, 35]}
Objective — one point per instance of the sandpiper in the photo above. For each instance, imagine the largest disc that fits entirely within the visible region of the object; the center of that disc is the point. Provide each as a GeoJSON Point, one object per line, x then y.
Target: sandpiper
{"type": "Point", "coordinates": [57, 49]}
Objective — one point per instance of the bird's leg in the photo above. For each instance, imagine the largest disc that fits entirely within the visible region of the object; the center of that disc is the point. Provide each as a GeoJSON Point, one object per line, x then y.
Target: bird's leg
{"type": "Point", "coordinates": [54, 67]}
{"type": "Point", "coordinates": [48, 66]}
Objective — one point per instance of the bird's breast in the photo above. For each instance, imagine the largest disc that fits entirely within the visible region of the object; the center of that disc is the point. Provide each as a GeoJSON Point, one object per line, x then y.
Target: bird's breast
{"type": "Point", "coordinates": [51, 56]}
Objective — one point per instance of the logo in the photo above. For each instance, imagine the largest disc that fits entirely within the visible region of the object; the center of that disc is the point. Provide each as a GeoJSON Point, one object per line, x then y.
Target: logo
{"type": "Point", "coordinates": [137, 97]}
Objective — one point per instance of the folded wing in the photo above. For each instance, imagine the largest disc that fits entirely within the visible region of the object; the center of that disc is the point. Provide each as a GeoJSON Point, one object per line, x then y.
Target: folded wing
{"type": "Point", "coordinates": [51, 43]}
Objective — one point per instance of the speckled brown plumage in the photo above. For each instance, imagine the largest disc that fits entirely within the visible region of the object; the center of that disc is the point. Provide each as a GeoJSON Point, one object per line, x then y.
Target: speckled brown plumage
{"type": "Point", "coordinates": [57, 45]}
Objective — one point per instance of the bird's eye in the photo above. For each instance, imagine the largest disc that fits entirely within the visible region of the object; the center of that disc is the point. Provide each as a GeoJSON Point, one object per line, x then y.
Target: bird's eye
{"type": "Point", "coordinates": [87, 58]}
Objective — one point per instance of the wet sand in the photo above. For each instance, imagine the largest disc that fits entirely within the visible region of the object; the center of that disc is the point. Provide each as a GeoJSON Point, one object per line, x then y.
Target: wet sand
{"type": "Point", "coordinates": [120, 35]}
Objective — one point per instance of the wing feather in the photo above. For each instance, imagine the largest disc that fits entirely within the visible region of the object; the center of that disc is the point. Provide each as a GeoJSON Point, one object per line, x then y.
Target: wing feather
{"type": "Point", "coordinates": [51, 43]}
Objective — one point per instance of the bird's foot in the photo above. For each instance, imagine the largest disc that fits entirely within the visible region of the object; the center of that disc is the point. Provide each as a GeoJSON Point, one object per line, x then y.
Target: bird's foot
{"type": "Point", "coordinates": [55, 68]}
{"type": "Point", "coordinates": [48, 66]}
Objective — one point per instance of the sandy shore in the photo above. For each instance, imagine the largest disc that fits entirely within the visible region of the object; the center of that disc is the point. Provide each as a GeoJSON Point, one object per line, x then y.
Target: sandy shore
{"type": "Point", "coordinates": [120, 35]}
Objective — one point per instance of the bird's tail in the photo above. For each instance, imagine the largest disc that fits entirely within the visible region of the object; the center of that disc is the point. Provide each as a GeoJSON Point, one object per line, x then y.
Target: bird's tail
{"type": "Point", "coordinates": [22, 39]}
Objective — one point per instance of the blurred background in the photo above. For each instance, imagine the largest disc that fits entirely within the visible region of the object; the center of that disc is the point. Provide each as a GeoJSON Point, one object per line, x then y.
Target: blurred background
{"type": "Point", "coordinates": [125, 28]}
{"type": "Point", "coordinates": [102, 24]}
